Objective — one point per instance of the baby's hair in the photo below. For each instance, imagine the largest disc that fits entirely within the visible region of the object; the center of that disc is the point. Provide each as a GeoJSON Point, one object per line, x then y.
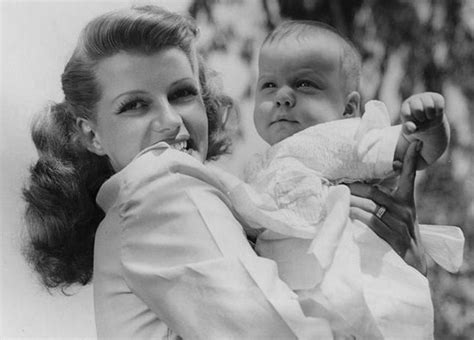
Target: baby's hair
{"type": "Point", "coordinates": [350, 57]}
{"type": "Point", "coordinates": [61, 213]}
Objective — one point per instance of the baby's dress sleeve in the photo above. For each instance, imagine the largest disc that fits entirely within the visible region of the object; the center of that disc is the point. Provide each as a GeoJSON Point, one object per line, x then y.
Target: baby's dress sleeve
{"type": "Point", "coordinates": [185, 255]}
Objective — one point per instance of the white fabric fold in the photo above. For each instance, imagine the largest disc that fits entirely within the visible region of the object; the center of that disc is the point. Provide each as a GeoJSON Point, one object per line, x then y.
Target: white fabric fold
{"type": "Point", "coordinates": [325, 244]}
{"type": "Point", "coordinates": [376, 140]}
{"type": "Point", "coordinates": [444, 244]}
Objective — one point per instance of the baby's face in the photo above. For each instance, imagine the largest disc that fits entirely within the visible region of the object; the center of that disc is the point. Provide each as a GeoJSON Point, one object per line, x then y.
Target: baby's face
{"type": "Point", "coordinates": [300, 84]}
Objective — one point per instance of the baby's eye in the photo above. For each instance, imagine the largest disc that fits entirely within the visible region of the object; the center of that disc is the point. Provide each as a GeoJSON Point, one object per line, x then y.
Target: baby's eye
{"type": "Point", "coordinates": [268, 85]}
{"type": "Point", "coordinates": [183, 93]}
{"type": "Point", "coordinates": [133, 105]}
{"type": "Point", "coordinates": [305, 84]}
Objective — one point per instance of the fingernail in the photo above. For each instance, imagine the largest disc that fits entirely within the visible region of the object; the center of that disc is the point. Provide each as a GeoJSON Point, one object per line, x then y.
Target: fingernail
{"type": "Point", "coordinates": [419, 145]}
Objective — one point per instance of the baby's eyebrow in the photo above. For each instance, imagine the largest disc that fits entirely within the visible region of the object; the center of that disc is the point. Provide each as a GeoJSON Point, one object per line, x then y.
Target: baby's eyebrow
{"type": "Point", "coordinates": [263, 77]}
{"type": "Point", "coordinates": [306, 71]}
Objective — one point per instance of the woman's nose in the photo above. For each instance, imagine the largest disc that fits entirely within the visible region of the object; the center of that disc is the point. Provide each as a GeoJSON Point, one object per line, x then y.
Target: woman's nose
{"type": "Point", "coordinates": [167, 120]}
{"type": "Point", "coordinates": [285, 97]}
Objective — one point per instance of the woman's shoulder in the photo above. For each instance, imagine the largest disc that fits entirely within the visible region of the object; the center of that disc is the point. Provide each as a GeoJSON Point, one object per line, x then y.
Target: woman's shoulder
{"type": "Point", "coordinates": [158, 160]}
{"type": "Point", "coordinates": [146, 169]}
{"type": "Point", "coordinates": [150, 190]}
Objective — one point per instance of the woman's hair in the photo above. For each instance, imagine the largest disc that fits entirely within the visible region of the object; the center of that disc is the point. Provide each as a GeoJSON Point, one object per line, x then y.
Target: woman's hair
{"type": "Point", "coordinates": [61, 213]}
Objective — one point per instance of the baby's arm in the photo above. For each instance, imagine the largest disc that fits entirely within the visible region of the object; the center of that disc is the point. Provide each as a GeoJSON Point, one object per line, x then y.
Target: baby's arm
{"type": "Point", "coordinates": [423, 119]}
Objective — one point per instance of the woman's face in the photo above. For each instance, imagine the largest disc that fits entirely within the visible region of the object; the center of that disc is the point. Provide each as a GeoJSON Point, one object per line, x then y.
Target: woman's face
{"type": "Point", "coordinates": [146, 99]}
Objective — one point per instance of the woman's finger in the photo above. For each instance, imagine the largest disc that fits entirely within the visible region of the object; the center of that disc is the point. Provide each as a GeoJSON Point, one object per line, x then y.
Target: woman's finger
{"type": "Point", "coordinates": [397, 241]}
{"type": "Point", "coordinates": [363, 203]}
{"type": "Point", "coordinates": [396, 216]}
{"type": "Point", "coordinates": [370, 192]}
{"type": "Point", "coordinates": [397, 225]}
{"type": "Point", "coordinates": [406, 183]}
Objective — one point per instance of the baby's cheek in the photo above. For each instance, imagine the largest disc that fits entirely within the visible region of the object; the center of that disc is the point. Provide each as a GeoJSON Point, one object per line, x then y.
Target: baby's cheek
{"type": "Point", "coordinates": [264, 108]}
{"type": "Point", "coordinates": [261, 114]}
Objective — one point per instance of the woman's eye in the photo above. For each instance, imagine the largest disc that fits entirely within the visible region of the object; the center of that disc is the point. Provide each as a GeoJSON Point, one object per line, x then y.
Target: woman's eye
{"type": "Point", "coordinates": [183, 93]}
{"type": "Point", "coordinates": [132, 105]}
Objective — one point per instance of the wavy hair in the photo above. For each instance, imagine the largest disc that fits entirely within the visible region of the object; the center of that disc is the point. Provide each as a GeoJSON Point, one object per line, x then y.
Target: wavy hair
{"type": "Point", "coordinates": [61, 213]}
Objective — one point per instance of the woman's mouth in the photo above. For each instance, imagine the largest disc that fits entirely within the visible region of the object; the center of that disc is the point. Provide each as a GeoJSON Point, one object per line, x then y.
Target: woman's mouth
{"type": "Point", "coordinates": [186, 146]}
{"type": "Point", "coordinates": [180, 146]}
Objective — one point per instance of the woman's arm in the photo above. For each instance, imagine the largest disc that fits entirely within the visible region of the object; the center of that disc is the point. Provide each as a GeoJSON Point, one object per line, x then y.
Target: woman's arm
{"type": "Point", "coordinates": [392, 216]}
{"type": "Point", "coordinates": [186, 256]}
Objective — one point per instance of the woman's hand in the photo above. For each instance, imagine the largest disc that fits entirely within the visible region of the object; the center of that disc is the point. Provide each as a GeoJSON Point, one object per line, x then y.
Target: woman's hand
{"type": "Point", "coordinates": [392, 216]}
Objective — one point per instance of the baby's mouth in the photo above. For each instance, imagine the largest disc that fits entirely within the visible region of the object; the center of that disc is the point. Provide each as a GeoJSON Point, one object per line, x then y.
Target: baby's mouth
{"type": "Point", "coordinates": [283, 120]}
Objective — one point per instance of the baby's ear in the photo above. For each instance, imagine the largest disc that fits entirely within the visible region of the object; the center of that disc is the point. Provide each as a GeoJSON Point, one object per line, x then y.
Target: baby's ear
{"type": "Point", "coordinates": [352, 108]}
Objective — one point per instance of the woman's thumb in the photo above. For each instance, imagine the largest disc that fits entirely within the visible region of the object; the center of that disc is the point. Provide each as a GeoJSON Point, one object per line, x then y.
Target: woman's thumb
{"type": "Point", "coordinates": [406, 182]}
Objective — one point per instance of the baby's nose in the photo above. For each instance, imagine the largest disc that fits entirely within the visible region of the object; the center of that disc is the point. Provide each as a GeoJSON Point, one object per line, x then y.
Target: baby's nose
{"type": "Point", "coordinates": [285, 98]}
{"type": "Point", "coordinates": [284, 102]}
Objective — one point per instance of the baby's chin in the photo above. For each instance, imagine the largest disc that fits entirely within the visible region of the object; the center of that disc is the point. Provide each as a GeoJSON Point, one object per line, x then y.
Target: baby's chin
{"type": "Point", "coordinates": [281, 131]}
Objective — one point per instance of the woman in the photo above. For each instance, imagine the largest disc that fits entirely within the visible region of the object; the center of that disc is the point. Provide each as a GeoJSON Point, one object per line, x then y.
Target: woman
{"type": "Point", "coordinates": [169, 257]}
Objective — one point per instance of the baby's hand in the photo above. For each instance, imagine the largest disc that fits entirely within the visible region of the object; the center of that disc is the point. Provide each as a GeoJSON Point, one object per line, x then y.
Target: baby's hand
{"type": "Point", "coordinates": [422, 111]}
{"type": "Point", "coordinates": [423, 119]}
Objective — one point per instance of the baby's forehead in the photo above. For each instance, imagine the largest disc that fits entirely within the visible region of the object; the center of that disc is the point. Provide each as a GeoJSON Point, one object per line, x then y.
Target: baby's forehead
{"type": "Point", "coordinates": [312, 51]}
{"type": "Point", "coordinates": [303, 38]}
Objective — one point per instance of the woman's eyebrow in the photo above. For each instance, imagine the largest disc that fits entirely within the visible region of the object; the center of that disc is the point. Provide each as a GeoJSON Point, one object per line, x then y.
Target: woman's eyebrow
{"type": "Point", "coordinates": [135, 92]}
{"type": "Point", "coordinates": [184, 79]}
{"type": "Point", "coordinates": [127, 93]}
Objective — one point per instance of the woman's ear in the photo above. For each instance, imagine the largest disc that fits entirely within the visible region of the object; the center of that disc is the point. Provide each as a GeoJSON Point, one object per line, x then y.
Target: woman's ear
{"type": "Point", "coordinates": [352, 108]}
{"type": "Point", "coordinates": [89, 136]}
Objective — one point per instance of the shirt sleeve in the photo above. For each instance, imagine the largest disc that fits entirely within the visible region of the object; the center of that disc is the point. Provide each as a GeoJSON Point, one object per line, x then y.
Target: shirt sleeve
{"type": "Point", "coordinates": [186, 256]}
{"type": "Point", "coordinates": [377, 139]}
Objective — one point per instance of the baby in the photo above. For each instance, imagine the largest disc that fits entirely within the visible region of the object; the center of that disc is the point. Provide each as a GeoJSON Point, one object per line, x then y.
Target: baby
{"type": "Point", "coordinates": [308, 81]}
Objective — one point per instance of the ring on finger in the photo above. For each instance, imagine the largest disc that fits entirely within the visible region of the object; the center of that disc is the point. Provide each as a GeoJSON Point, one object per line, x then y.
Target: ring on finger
{"type": "Point", "coordinates": [380, 211]}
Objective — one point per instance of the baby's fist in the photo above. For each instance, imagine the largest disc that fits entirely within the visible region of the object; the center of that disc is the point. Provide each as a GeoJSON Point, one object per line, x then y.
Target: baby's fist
{"type": "Point", "coordinates": [422, 111]}
{"type": "Point", "coordinates": [423, 119]}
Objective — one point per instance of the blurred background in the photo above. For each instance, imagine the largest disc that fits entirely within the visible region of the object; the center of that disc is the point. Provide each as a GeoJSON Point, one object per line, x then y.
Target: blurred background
{"type": "Point", "coordinates": [407, 47]}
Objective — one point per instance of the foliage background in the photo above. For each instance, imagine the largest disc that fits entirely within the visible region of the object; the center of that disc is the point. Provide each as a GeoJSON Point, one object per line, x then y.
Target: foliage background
{"type": "Point", "coordinates": [408, 46]}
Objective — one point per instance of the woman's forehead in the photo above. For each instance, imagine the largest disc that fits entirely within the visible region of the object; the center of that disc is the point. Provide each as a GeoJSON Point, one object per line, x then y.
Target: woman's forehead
{"type": "Point", "coordinates": [139, 63]}
{"type": "Point", "coordinates": [124, 71]}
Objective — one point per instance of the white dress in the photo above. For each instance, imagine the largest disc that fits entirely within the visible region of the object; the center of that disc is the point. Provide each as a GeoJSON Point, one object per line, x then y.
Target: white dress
{"type": "Point", "coordinates": [339, 268]}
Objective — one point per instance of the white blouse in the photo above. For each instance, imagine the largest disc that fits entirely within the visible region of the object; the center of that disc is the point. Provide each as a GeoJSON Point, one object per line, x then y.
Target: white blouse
{"type": "Point", "coordinates": [171, 260]}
